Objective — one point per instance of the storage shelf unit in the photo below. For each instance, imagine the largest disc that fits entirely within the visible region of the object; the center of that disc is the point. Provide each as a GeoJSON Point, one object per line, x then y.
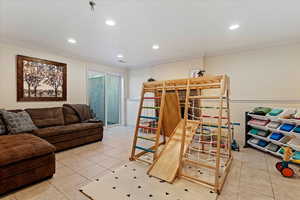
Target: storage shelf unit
{"type": "Point", "coordinates": [280, 143]}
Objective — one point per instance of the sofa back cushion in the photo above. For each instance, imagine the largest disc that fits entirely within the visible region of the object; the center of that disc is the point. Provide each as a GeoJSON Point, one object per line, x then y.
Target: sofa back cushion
{"type": "Point", "coordinates": [45, 117]}
{"type": "Point", "coordinates": [2, 124]}
{"type": "Point", "coordinates": [70, 115]}
{"type": "Point", "coordinates": [18, 122]}
{"type": "Point", "coordinates": [2, 127]}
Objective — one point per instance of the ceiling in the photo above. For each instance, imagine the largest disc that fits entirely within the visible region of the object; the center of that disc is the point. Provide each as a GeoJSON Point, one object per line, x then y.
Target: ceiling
{"type": "Point", "coordinates": [184, 29]}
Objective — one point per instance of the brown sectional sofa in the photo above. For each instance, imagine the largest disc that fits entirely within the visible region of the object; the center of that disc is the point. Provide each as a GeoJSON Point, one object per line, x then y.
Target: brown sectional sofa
{"type": "Point", "coordinates": [29, 157]}
{"type": "Point", "coordinates": [61, 127]}
{"type": "Point", "coordinates": [24, 159]}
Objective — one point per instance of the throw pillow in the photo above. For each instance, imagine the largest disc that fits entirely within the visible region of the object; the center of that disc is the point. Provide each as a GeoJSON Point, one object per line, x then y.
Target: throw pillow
{"type": "Point", "coordinates": [18, 122]}
{"type": "Point", "coordinates": [2, 125]}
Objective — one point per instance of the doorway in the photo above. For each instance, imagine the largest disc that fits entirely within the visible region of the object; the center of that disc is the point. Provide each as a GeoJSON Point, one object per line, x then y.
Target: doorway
{"type": "Point", "coordinates": [104, 96]}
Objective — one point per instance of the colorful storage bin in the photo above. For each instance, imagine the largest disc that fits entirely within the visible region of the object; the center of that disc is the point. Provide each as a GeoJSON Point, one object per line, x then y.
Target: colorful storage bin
{"type": "Point", "coordinates": [261, 110]}
{"type": "Point", "coordinates": [262, 143]}
{"type": "Point", "coordinates": [285, 139]}
{"type": "Point", "coordinates": [258, 122]}
{"type": "Point", "coordinates": [297, 129]}
{"type": "Point", "coordinates": [273, 147]}
{"type": "Point", "coordinates": [287, 127]}
{"type": "Point", "coordinates": [288, 113]}
{"type": "Point", "coordinates": [254, 131]}
{"type": "Point", "coordinates": [275, 112]}
{"type": "Point", "coordinates": [274, 125]}
{"type": "Point", "coordinates": [263, 133]}
{"type": "Point", "coordinates": [297, 115]}
{"type": "Point", "coordinates": [281, 151]}
{"type": "Point", "coordinates": [296, 155]}
{"type": "Point", "coordinates": [254, 140]}
{"type": "Point", "coordinates": [276, 136]}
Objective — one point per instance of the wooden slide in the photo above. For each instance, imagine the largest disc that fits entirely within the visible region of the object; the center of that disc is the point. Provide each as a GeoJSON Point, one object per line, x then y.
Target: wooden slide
{"type": "Point", "coordinates": [171, 115]}
{"type": "Point", "coordinates": [166, 165]}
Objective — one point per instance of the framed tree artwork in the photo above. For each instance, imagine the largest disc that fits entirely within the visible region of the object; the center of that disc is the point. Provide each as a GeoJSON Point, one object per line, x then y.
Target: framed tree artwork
{"type": "Point", "coordinates": [41, 80]}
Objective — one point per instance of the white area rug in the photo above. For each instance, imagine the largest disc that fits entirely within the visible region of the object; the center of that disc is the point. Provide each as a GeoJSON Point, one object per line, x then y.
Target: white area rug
{"type": "Point", "coordinates": [131, 182]}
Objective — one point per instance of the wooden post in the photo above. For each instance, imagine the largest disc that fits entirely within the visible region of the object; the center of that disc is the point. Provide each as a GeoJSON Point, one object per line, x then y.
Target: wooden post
{"type": "Point", "coordinates": [177, 93]}
{"type": "Point", "coordinates": [218, 153]}
{"type": "Point", "coordinates": [199, 92]}
{"type": "Point", "coordinates": [161, 114]}
{"type": "Point", "coordinates": [228, 117]}
{"type": "Point", "coordinates": [187, 95]}
{"type": "Point", "coordinates": [136, 131]}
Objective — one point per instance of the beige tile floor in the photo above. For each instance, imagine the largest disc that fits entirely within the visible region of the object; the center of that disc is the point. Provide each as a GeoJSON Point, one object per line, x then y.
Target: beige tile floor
{"type": "Point", "coordinates": [252, 177]}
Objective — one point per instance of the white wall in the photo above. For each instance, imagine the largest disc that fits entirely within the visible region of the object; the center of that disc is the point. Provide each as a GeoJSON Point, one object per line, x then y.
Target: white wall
{"type": "Point", "coordinates": [76, 76]}
{"type": "Point", "coordinates": [136, 77]}
{"type": "Point", "coordinates": [263, 77]}
{"type": "Point", "coordinates": [271, 73]}
{"type": "Point", "coordinates": [168, 71]}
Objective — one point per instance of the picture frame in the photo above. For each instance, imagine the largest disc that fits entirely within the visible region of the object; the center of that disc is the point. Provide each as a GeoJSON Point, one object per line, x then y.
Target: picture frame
{"type": "Point", "coordinates": [40, 80]}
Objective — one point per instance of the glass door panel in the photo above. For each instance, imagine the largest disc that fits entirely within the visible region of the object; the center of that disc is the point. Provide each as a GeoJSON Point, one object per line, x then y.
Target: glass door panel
{"type": "Point", "coordinates": [96, 93]}
{"type": "Point", "coordinates": [113, 98]}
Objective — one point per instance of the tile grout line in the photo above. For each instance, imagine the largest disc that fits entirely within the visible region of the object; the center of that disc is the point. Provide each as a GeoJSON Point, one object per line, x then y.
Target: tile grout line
{"type": "Point", "coordinates": [57, 189]}
{"type": "Point", "coordinates": [269, 173]}
{"type": "Point", "coordinates": [239, 184]}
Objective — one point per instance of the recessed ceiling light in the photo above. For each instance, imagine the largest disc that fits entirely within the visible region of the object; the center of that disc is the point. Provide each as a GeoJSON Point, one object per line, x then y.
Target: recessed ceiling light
{"type": "Point", "coordinates": [72, 41]}
{"type": "Point", "coordinates": [155, 46]}
{"type": "Point", "coordinates": [234, 26]}
{"type": "Point", "coordinates": [120, 56]}
{"type": "Point", "coordinates": [110, 22]}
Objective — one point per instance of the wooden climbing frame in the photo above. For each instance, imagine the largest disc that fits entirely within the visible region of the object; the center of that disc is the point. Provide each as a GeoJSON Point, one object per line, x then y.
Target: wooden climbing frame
{"type": "Point", "coordinates": [200, 139]}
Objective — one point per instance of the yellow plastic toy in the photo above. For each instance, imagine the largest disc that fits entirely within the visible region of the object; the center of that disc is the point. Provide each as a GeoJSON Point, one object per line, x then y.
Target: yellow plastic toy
{"type": "Point", "coordinates": [283, 166]}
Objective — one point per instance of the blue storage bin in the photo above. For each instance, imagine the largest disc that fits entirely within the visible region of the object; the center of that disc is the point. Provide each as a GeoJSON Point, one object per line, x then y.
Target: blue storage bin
{"type": "Point", "coordinates": [297, 129]}
{"type": "Point", "coordinates": [262, 143]}
{"type": "Point", "coordinates": [276, 136]}
{"type": "Point", "coordinates": [287, 127]}
{"type": "Point", "coordinates": [296, 155]}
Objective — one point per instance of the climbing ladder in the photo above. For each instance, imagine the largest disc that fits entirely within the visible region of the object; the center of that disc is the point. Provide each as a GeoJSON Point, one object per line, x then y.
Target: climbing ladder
{"type": "Point", "coordinates": [154, 117]}
{"type": "Point", "coordinates": [211, 152]}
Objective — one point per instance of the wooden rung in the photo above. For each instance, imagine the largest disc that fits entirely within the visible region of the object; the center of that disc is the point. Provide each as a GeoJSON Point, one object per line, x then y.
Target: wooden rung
{"type": "Point", "coordinates": [214, 126]}
{"type": "Point", "coordinates": [151, 97]}
{"type": "Point", "coordinates": [198, 164]}
{"type": "Point", "coordinates": [215, 117]}
{"type": "Point", "coordinates": [146, 138]}
{"type": "Point", "coordinates": [211, 143]}
{"type": "Point", "coordinates": [235, 123]}
{"type": "Point", "coordinates": [170, 88]}
{"type": "Point", "coordinates": [211, 107]}
{"type": "Point", "coordinates": [213, 153]}
{"type": "Point", "coordinates": [147, 117]}
{"type": "Point", "coordinates": [147, 127]}
{"type": "Point", "coordinates": [145, 149]}
{"type": "Point", "coordinates": [145, 161]}
{"type": "Point", "coordinates": [208, 124]}
{"type": "Point", "coordinates": [205, 97]}
{"type": "Point", "coordinates": [150, 107]}
{"type": "Point", "coordinates": [143, 153]}
{"type": "Point", "coordinates": [197, 180]}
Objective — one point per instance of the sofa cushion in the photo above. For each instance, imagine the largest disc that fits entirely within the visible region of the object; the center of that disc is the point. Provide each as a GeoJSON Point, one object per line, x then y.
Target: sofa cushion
{"type": "Point", "coordinates": [14, 148]}
{"type": "Point", "coordinates": [18, 122]}
{"type": "Point", "coordinates": [58, 130]}
{"type": "Point", "coordinates": [45, 117]}
{"type": "Point", "coordinates": [70, 115]}
{"type": "Point", "coordinates": [2, 127]}
{"type": "Point", "coordinates": [2, 124]}
{"type": "Point", "coordinates": [83, 111]}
